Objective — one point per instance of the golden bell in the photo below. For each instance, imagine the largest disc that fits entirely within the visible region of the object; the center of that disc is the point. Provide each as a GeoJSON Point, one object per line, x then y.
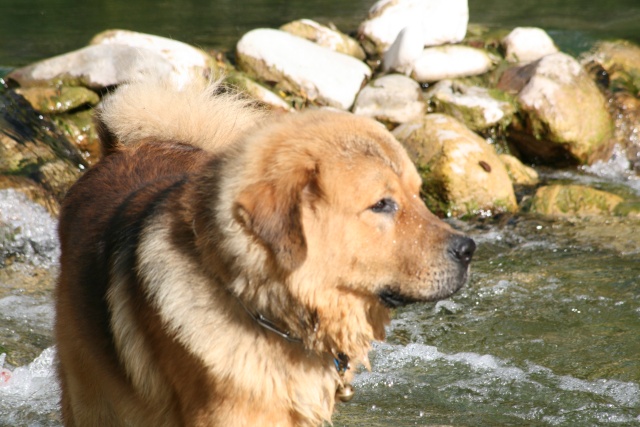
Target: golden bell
{"type": "Point", "coordinates": [345, 393]}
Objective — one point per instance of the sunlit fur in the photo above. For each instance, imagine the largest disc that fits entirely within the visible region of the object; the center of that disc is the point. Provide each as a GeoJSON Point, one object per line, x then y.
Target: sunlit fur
{"type": "Point", "coordinates": [203, 206]}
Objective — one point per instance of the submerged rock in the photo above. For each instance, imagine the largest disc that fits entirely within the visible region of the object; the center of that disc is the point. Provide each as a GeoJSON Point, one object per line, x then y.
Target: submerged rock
{"type": "Point", "coordinates": [565, 116]}
{"type": "Point", "coordinates": [302, 67]}
{"type": "Point", "coordinates": [526, 44]}
{"type": "Point", "coordinates": [391, 99]}
{"type": "Point", "coordinates": [573, 201]}
{"type": "Point", "coordinates": [325, 37]}
{"type": "Point", "coordinates": [462, 173]}
{"type": "Point", "coordinates": [450, 62]}
{"type": "Point", "coordinates": [478, 108]}
{"type": "Point", "coordinates": [439, 21]}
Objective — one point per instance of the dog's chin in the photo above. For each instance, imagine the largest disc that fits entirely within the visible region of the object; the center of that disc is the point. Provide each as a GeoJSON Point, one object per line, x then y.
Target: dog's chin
{"type": "Point", "coordinates": [393, 299]}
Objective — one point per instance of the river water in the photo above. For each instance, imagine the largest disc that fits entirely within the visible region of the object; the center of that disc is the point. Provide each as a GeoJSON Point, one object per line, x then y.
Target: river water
{"type": "Point", "coordinates": [546, 333]}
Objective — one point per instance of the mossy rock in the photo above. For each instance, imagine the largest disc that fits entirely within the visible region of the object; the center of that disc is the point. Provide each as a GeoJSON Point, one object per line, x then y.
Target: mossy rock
{"type": "Point", "coordinates": [573, 201]}
{"type": "Point", "coordinates": [462, 173]}
{"type": "Point", "coordinates": [52, 100]}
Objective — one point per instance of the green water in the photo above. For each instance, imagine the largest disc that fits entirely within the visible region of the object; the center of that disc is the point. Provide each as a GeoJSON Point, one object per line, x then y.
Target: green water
{"type": "Point", "coordinates": [546, 333]}
{"type": "Point", "coordinates": [35, 29]}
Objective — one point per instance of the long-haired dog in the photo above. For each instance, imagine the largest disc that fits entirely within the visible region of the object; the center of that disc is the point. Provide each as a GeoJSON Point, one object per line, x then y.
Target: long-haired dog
{"type": "Point", "coordinates": [223, 266]}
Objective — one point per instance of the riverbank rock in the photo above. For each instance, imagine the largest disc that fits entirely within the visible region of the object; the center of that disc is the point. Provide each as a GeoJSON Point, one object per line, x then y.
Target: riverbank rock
{"type": "Point", "coordinates": [526, 44]}
{"type": "Point", "coordinates": [439, 22]}
{"type": "Point", "coordinates": [187, 62]}
{"type": "Point", "coordinates": [573, 201]}
{"type": "Point", "coordinates": [450, 62]}
{"type": "Point", "coordinates": [564, 115]}
{"type": "Point", "coordinates": [621, 61]}
{"type": "Point", "coordinates": [302, 67]}
{"type": "Point", "coordinates": [478, 108]}
{"type": "Point", "coordinates": [462, 173]}
{"type": "Point", "coordinates": [325, 37]}
{"type": "Point", "coordinates": [114, 57]}
{"type": "Point", "coordinates": [393, 98]}
{"type": "Point", "coordinates": [95, 67]}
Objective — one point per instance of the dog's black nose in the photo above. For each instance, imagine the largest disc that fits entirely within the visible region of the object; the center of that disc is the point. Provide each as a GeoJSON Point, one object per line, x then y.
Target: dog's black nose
{"type": "Point", "coordinates": [461, 249]}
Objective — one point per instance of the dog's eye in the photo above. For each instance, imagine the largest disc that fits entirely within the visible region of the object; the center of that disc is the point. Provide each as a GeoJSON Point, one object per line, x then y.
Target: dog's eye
{"type": "Point", "coordinates": [385, 205]}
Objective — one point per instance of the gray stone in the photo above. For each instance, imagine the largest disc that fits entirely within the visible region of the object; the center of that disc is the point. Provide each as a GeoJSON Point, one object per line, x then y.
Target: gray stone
{"type": "Point", "coordinates": [564, 113]}
{"type": "Point", "coordinates": [391, 99]}
{"type": "Point", "coordinates": [478, 108]}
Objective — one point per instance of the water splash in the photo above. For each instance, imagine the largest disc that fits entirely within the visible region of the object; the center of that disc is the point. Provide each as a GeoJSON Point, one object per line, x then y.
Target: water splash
{"type": "Point", "coordinates": [30, 397]}
{"type": "Point", "coordinates": [27, 231]}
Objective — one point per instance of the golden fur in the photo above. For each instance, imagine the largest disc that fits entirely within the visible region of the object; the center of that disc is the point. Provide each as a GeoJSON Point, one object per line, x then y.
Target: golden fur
{"type": "Point", "coordinates": [206, 212]}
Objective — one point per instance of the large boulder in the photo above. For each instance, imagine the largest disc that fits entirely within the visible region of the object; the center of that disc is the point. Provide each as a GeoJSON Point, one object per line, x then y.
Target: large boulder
{"type": "Point", "coordinates": [564, 114]}
{"type": "Point", "coordinates": [573, 201]}
{"type": "Point", "coordinates": [450, 62]}
{"type": "Point", "coordinates": [302, 67]}
{"type": "Point", "coordinates": [438, 22]}
{"type": "Point", "coordinates": [478, 108]}
{"type": "Point", "coordinates": [462, 173]}
{"type": "Point", "coordinates": [526, 44]}
{"type": "Point", "coordinates": [325, 37]}
{"type": "Point", "coordinates": [393, 98]}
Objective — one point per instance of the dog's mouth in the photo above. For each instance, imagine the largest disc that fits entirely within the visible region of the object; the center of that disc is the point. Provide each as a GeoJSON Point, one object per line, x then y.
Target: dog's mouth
{"type": "Point", "coordinates": [393, 299]}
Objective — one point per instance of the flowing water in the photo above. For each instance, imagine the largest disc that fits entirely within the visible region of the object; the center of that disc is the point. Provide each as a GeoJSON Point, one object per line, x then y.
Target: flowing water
{"type": "Point", "coordinates": [546, 333]}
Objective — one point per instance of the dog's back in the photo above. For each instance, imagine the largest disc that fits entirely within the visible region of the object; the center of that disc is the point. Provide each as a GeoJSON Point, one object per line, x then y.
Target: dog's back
{"type": "Point", "coordinates": [101, 217]}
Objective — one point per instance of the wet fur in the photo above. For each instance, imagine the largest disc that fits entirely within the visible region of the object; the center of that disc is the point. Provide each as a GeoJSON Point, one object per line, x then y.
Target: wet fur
{"type": "Point", "coordinates": [204, 205]}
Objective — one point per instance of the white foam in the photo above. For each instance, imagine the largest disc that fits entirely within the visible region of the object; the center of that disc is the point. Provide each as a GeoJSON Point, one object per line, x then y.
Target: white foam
{"type": "Point", "coordinates": [31, 393]}
{"type": "Point", "coordinates": [483, 378]}
{"type": "Point", "coordinates": [27, 230]}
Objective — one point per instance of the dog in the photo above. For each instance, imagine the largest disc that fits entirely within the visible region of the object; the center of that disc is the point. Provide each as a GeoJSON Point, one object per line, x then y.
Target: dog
{"type": "Point", "coordinates": [223, 265]}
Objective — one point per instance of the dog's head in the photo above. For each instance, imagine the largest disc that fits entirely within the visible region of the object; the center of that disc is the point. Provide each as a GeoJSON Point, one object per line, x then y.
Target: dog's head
{"type": "Point", "coordinates": [333, 202]}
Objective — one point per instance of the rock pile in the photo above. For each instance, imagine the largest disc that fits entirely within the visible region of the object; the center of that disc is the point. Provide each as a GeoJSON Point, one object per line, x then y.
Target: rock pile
{"type": "Point", "coordinates": [470, 108]}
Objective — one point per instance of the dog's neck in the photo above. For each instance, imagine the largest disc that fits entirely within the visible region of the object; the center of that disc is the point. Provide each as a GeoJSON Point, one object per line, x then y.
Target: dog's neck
{"type": "Point", "coordinates": [344, 390]}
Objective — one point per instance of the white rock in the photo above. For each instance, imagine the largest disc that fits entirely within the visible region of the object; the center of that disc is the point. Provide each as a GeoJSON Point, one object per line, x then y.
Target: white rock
{"type": "Point", "coordinates": [393, 98]}
{"type": "Point", "coordinates": [450, 62]}
{"type": "Point", "coordinates": [301, 66]}
{"type": "Point", "coordinates": [95, 66]}
{"type": "Point", "coordinates": [404, 51]}
{"type": "Point", "coordinates": [442, 21]}
{"type": "Point", "coordinates": [187, 61]}
{"type": "Point", "coordinates": [526, 44]}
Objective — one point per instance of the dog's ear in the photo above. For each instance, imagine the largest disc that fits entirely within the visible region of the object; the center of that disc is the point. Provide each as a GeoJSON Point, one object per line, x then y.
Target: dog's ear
{"type": "Point", "coordinates": [271, 211]}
